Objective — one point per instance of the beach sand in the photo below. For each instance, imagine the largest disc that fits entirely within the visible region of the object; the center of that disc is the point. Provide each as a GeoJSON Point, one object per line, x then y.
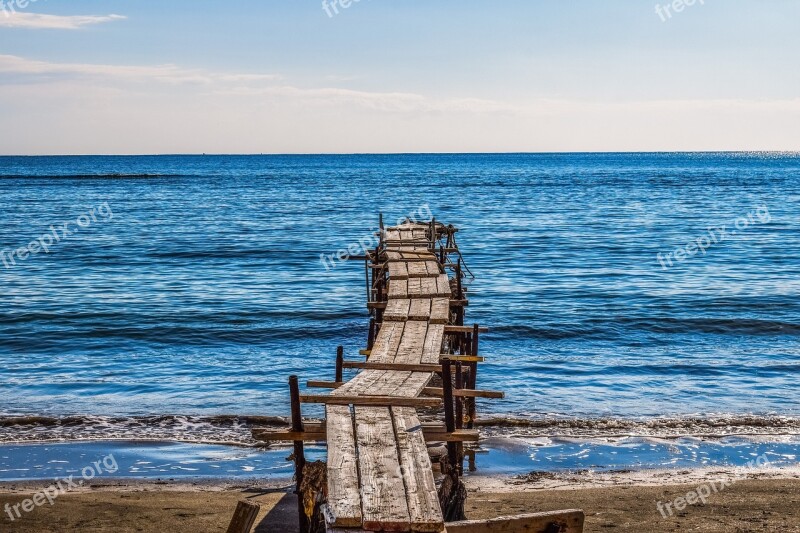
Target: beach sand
{"type": "Point", "coordinates": [623, 501]}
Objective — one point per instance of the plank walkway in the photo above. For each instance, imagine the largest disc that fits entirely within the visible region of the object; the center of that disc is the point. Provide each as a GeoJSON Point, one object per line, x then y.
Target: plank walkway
{"type": "Point", "coordinates": [379, 472]}
{"type": "Point", "coordinates": [380, 476]}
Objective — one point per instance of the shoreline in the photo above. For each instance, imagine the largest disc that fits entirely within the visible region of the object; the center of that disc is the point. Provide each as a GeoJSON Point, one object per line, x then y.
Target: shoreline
{"type": "Point", "coordinates": [623, 501]}
{"type": "Point", "coordinates": [592, 460]}
{"type": "Point", "coordinates": [534, 481]}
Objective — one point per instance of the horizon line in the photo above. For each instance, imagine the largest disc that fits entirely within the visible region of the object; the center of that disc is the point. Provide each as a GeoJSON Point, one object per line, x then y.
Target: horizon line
{"type": "Point", "coordinates": [326, 154]}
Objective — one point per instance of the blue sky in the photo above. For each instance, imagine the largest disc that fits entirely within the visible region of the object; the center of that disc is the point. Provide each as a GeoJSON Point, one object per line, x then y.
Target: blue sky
{"type": "Point", "coordinates": [282, 76]}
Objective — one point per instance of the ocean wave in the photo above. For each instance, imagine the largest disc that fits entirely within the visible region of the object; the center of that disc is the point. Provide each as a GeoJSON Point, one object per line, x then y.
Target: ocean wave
{"type": "Point", "coordinates": [221, 429]}
{"type": "Point", "coordinates": [712, 426]}
{"type": "Point", "coordinates": [237, 430]}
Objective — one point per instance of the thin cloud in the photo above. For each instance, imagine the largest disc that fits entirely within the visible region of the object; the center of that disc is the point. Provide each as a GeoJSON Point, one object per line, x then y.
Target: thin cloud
{"type": "Point", "coordinates": [130, 73]}
{"type": "Point", "coordinates": [38, 21]}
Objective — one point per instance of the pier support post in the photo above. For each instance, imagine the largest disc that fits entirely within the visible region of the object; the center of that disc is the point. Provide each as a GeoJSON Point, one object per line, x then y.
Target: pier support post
{"type": "Point", "coordinates": [472, 379]}
{"type": "Point", "coordinates": [299, 453]}
{"type": "Point", "coordinates": [452, 493]}
{"type": "Point", "coordinates": [459, 417]}
{"type": "Point", "coordinates": [339, 364]}
{"type": "Point", "coordinates": [371, 335]}
{"type": "Point", "coordinates": [459, 295]}
{"type": "Point", "coordinates": [449, 415]}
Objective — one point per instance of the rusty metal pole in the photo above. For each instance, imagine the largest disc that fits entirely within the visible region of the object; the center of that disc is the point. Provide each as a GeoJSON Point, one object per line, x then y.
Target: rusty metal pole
{"type": "Point", "coordinates": [299, 453]}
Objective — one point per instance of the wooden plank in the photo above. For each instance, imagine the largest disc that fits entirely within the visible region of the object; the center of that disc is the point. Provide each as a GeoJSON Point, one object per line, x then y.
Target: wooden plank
{"type": "Point", "coordinates": [343, 507]}
{"type": "Point", "coordinates": [419, 233]}
{"type": "Point", "coordinates": [419, 309]}
{"type": "Point", "coordinates": [440, 311]}
{"type": "Point", "coordinates": [413, 288]}
{"type": "Point", "coordinates": [459, 435]}
{"type": "Point", "coordinates": [398, 288]}
{"type": "Point", "coordinates": [371, 400]}
{"type": "Point", "coordinates": [244, 517]}
{"type": "Point", "coordinates": [397, 309]}
{"type": "Point", "coordinates": [434, 339]}
{"type": "Point", "coordinates": [383, 500]}
{"type": "Point", "coordinates": [451, 303]}
{"type": "Point", "coordinates": [570, 521]}
{"type": "Point", "coordinates": [387, 342]}
{"type": "Point", "coordinates": [427, 288]}
{"type": "Point", "coordinates": [413, 385]}
{"type": "Point", "coordinates": [418, 269]}
{"type": "Point", "coordinates": [433, 433]}
{"type": "Point", "coordinates": [280, 435]}
{"type": "Point", "coordinates": [463, 358]}
{"type": "Point", "coordinates": [409, 256]}
{"type": "Point", "coordinates": [423, 367]}
{"type": "Point", "coordinates": [412, 344]}
{"type": "Point", "coordinates": [433, 268]}
{"type": "Point", "coordinates": [392, 235]}
{"type": "Point", "coordinates": [398, 270]}
{"type": "Point", "coordinates": [388, 384]}
{"type": "Point", "coordinates": [463, 329]}
{"type": "Point", "coordinates": [400, 384]}
{"type": "Point", "coordinates": [465, 393]}
{"type": "Point", "coordinates": [317, 384]}
{"type": "Point", "coordinates": [362, 382]}
{"type": "Point", "coordinates": [421, 495]}
{"type": "Point", "coordinates": [443, 286]}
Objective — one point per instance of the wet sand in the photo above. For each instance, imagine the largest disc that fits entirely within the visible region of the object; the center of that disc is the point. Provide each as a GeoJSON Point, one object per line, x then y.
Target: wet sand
{"type": "Point", "coordinates": [624, 501]}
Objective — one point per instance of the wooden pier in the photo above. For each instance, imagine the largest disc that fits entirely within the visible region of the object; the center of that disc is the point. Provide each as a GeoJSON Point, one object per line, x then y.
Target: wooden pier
{"type": "Point", "coordinates": [419, 355]}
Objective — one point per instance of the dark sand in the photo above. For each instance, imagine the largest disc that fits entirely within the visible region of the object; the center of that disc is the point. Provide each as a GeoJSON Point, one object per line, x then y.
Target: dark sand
{"type": "Point", "coordinates": [622, 504]}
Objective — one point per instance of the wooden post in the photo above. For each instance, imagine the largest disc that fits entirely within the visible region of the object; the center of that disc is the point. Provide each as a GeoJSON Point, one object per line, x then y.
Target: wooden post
{"type": "Point", "coordinates": [339, 364]}
{"type": "Point", "coordinates": [452, 493]}
{"type": "Point", "coordinates": [371, 334]}
{"type": "Point", "coordinates": [299, 453]}
{"type": "Point", "coordinates": [244, 516]}
{"type": "Point", "coordinates": [374, 276]}
{"type": "Point", "coordinates": [459, 400]}
{"type": "Point", "coordinates": [472, 379]}
{"type": "Point", "coordinates": [377, 276]}
{"type": "Point", "coordinates": [459, 417]}
{"type": "Point", "coordinates": [459, 295]}
{"type": "Point", "coordinates": [449, 415]}
{"type": "Point", "coordinates": [366, 279]}
{"type": "Point", "coordinates": [459, 291]}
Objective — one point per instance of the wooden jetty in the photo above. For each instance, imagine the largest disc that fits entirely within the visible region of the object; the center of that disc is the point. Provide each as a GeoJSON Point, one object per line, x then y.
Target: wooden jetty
{"type": "Point", "coordinates": [420, 355]}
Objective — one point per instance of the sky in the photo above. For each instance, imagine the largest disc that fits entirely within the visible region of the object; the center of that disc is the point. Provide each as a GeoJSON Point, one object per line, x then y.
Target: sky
{"type": "Point", "coordinates": [388, 76]}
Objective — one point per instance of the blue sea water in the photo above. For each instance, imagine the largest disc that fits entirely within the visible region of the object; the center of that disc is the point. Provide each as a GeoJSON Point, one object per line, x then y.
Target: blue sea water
{"type": "Point", "coordinates": [195, 287]}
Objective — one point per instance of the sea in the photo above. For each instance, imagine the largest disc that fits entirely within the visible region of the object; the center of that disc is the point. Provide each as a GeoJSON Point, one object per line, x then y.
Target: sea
{"type": "Point", "coordinates": [643, 308]}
